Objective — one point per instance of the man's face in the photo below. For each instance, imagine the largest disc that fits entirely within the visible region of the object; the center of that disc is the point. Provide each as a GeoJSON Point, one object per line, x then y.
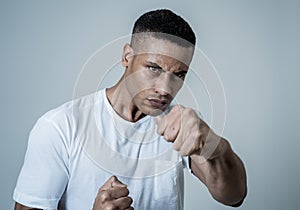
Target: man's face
{"type": "Point", "coordinates": [155, 73]}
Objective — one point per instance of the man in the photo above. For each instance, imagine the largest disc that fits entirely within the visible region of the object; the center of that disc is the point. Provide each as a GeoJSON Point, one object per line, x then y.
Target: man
{"type": "Point", "coordinates": [101, 152]}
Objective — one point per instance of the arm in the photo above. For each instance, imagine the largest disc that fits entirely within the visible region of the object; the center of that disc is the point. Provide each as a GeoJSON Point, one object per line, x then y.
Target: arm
{"type": "Point", "coordinates": [21, 207]}
{"type": "Point", "coordinates": [224, 175]}
{"type": "Point", "coordinates": [211, 157]}
{"type": "Point", "coordinates": [45, 152]}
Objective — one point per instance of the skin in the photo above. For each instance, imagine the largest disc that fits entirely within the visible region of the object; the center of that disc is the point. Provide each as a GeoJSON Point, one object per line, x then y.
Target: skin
{"type": "Point", "coordinates": [154, 73]}
{"type": "Point", "coordinates": [21, 207]}
{"type": "Point", "coordinates": [113, 195]}
{"type": "Point", "coordinates": [221, 171]}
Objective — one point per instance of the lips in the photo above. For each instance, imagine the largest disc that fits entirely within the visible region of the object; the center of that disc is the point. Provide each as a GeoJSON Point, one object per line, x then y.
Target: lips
{"type": "Point", "coordinates": [158, 103]}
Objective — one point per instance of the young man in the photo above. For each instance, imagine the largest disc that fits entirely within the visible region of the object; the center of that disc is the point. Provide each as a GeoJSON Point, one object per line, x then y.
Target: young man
{"type": "Point", "coordinates": [125, 147]}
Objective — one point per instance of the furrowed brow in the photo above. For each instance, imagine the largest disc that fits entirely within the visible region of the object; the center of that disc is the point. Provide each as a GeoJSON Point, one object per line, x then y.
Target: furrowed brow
{"type": "Point", "coordinates": [154, 65]}
{"type": "Point", "coordinates": [181, 72]}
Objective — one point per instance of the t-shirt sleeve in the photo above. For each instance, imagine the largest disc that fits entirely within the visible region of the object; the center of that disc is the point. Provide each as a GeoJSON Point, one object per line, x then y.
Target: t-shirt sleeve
{"type": "Point", "coordinates": [44, 175]}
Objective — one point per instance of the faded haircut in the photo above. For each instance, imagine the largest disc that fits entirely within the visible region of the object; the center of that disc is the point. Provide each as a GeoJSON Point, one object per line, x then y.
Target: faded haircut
{"type": "Point", "coordinates": [163, 24]}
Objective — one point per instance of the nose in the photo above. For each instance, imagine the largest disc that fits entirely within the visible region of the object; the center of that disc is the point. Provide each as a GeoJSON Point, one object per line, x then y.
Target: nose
{"type": "Point", "coordinates": [163, 85]}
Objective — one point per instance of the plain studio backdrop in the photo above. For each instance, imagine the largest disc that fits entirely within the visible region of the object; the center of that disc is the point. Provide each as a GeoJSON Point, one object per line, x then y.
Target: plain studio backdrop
{"type": "Point", "coordinates": [254, 46]}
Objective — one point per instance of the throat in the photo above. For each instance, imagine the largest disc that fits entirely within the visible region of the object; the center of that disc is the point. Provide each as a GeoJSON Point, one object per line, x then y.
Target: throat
{"type": "Point", "coordinates": [124, 108]}
{"type": "Point", "coordinates": [136, 116]}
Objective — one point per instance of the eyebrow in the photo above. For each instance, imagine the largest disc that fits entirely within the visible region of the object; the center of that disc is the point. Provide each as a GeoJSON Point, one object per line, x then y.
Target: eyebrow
{"type": "Point", "coordinates": [154, 64]}
{"type": "Point", "coordinates": [181, 71]}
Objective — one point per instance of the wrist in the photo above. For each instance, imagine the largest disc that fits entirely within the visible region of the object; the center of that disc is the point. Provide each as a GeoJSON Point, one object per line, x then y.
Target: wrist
{"type": "Point", "coordinates": [215, 147]}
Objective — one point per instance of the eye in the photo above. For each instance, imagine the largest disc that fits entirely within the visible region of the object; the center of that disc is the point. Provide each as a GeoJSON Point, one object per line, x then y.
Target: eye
{"type": "Point", "coordinates": [154, 69]}
{"type": "Point", "coordinates": [180, 74]}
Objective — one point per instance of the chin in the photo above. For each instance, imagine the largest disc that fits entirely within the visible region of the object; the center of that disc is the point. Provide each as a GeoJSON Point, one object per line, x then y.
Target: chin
{"type": "Point", "coordinates": [154, 112]}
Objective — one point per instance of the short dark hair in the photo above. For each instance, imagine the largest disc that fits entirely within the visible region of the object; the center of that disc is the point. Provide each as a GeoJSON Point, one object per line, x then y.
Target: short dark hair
{"type": "Point", "coordinates": [162, 23]}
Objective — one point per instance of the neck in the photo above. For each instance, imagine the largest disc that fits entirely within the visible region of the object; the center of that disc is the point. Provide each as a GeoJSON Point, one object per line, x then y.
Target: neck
{"type": "Point", "coordinates": [121, 101]}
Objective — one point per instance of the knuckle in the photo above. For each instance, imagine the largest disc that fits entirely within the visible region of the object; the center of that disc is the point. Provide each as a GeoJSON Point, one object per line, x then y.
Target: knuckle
{"type": "Point", "coordinates": [181, 107]}
{"type": "Point", "coordinates": [178, 108]}
{"type": "Point", "coordinates": [160, 131]}
{"type": "Point", "coordinates": [104, 197]}
{"type": "Point", "coordinates": [113, 178]}
{"type": "Point", "coordinates": [130, 200]}
{"type": "Point", "coordinates": [126, 191]}
{"type": "Point", "coordinates": [127, 201]}
{"type": "Point", "coordinates": [167, 138]}
{"type": "Point", "coordinates": [111, 206]}
{"type": "Point", "coordinates": [100, 190]}
{"type": "Point", "coordinates": [189, 112]}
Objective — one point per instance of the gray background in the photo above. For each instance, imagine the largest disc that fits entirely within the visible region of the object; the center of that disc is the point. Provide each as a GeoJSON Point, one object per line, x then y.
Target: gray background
{"type": "Point", "coordinates": [253, 44]}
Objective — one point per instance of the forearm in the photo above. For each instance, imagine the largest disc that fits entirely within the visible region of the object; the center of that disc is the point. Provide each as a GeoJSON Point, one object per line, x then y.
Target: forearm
{"type": "Point", "coordinates": [224, 175]}
{"type": "Point", "coordinates": [21, 207]}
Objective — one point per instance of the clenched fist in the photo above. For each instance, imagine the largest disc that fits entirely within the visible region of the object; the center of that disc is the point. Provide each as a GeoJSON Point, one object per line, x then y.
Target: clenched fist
{"type": "Point", "coordinates": [113, 195]}
{"type": "Point", "coordinates": [190, 134]}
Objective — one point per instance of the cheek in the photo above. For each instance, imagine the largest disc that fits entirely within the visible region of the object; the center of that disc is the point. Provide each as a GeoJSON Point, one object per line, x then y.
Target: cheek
{"type": "Point", "coordinates": [177, 87]}
{"type": "Point", "coordinates": [139, 82]}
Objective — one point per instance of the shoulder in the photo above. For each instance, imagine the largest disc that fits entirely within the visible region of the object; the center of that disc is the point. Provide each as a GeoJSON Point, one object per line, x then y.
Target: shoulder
{"type": "Point", "coordinates": [66, 112]}
{"type": "Point", "coordinates": [61, 121]}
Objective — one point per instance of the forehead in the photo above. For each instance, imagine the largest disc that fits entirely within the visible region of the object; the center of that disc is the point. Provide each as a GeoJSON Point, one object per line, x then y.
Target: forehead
{"type": "Point", "coordinates": [164, 50]}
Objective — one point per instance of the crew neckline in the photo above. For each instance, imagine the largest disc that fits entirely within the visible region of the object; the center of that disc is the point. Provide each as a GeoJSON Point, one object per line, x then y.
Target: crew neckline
{"type": "Point", "coordinates": [117, 116]}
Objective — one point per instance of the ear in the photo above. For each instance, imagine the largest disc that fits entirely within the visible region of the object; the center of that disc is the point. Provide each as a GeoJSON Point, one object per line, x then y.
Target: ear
{"type": "Point", "coordinates": [127, 55]}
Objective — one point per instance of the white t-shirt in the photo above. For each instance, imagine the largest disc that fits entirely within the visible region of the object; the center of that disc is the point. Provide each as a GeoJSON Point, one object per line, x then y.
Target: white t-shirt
{"type": "Point", "coordinates": [73, 149]}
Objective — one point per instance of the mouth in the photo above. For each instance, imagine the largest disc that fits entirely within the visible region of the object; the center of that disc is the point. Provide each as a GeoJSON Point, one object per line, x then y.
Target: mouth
{"type": "Point", "coordinates": [158, 103]}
